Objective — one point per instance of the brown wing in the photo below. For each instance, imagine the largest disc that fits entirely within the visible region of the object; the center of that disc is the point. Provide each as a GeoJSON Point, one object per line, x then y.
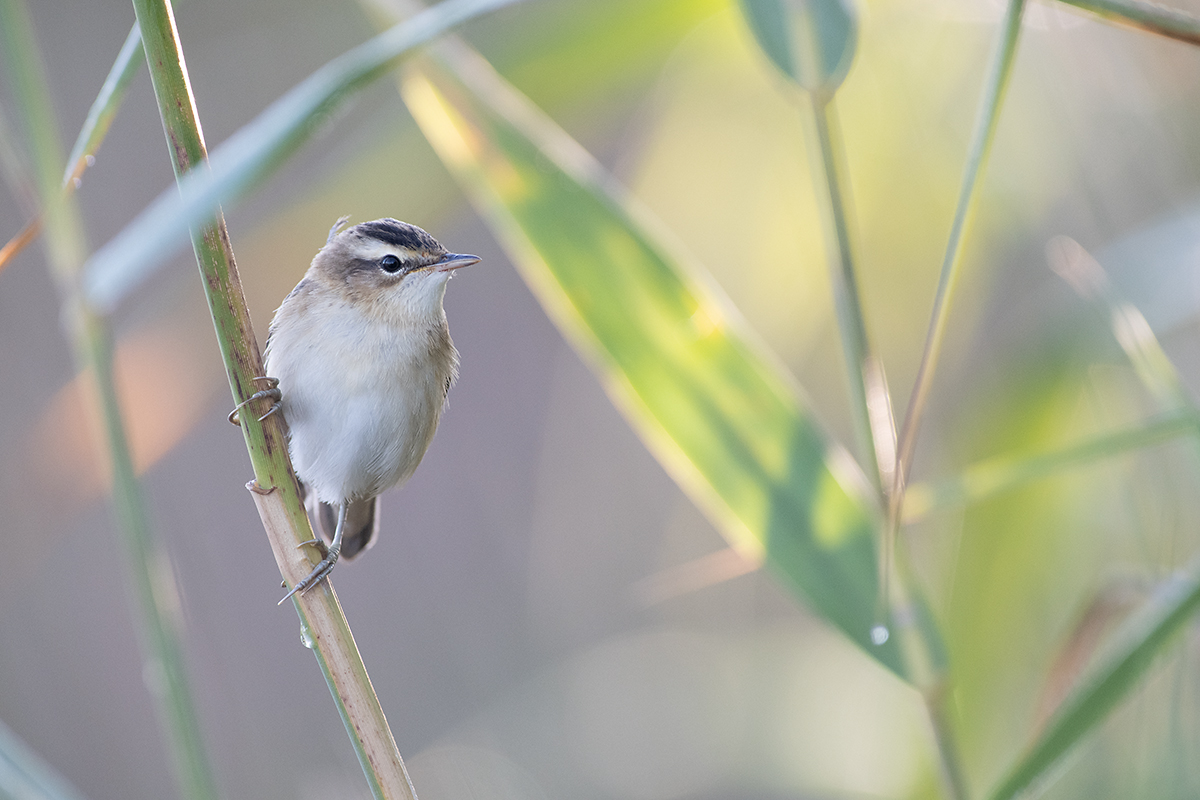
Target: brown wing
{"type": "Point", "coordinates": [362, 526]}
{"type": "Point", "coordinates": [362, 523]}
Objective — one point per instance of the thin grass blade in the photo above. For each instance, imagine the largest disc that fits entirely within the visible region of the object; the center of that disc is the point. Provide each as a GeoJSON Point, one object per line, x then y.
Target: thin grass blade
{"type": "Point", "coordinates": [105, 106]}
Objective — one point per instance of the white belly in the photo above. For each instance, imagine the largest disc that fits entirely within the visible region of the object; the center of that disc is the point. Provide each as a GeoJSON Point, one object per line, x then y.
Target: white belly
{"type": "Point", "coordinates": [362, 401]}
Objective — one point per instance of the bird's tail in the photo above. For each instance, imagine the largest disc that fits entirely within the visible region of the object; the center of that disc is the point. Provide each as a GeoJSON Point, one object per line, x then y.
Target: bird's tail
{"type": "Point", "coordinates": [362, 522]}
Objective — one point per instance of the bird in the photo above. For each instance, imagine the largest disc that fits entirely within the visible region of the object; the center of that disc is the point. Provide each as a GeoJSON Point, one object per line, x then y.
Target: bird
{"type": "Point", "coordinates": [360, 362]}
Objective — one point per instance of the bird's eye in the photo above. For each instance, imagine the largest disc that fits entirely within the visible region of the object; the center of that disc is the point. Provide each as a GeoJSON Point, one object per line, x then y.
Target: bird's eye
{"type": "Point", "coordinates": [390, 263]}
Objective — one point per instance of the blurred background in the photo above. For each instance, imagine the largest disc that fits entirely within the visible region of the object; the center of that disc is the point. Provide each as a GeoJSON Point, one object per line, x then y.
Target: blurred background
{"type": "Point", "coordinates": [523, 615]}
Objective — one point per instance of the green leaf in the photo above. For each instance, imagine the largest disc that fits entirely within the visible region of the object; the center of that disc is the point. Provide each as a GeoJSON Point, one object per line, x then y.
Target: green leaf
{"type": "Point", "coordinates": [810, 41]}
{"type": "Point", "coordinates": [1133, 649]}
{"type": "Point", "coordinates": [717, 411]}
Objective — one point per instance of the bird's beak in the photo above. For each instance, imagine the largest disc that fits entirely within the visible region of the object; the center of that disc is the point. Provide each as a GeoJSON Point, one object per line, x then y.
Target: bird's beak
{"type": "Point", "coordinates": [453, 261]}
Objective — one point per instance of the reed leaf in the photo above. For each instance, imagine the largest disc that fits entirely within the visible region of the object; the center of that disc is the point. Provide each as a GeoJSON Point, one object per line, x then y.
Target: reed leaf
{"type": "Point", "coordinates": [713, 406]}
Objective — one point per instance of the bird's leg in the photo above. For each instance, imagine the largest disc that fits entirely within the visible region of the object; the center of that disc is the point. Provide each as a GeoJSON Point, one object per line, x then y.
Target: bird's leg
{"type": "Point", "coordinates": [321, 570]}
{"type": "Point", "coordinates": [272, 391]}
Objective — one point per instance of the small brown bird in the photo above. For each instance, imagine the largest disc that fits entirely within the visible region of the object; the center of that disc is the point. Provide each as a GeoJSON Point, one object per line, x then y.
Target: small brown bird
{"type": "Point", "coordinates": [360, 360]}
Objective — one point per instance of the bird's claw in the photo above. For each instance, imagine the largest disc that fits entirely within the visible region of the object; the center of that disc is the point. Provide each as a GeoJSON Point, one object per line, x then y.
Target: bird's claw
{"type": "Point", "coordinates": [272, 392]}
{"type": "Point", "coordinates": [318, 543]}
{"type": "Point", "coordinates": [318, 574]}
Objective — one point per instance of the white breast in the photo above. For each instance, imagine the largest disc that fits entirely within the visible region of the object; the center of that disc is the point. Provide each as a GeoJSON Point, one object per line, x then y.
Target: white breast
{"type": "Point", "coordinates": [362, 398]}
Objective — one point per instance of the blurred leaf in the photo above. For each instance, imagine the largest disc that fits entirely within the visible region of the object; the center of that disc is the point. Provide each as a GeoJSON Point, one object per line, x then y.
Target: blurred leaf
{"type": "Point", "coordinates": [25, 776]}
{"type": "Point", "coordinates": [256, 150]}
{"type": "Point", "coordinates": [810, 41]}
{"type": "Point", "coordinates": [1132, 651]}
{"type": "Point", "coordinates": [716, 410]}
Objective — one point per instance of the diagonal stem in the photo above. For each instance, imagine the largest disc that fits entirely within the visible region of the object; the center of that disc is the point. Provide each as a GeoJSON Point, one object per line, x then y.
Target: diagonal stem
{"type": "Point", "coordinates": [985, 130]}
{"type": "Point", "coordinates": [861, 365]}
{"type": "Point", "coordinates": [275, 491]}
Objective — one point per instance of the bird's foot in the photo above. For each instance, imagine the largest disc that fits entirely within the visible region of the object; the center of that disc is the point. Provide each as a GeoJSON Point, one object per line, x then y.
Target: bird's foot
{"type": "Point", "coordinates": [272, 392]}
{"type": "Point", "coordinates": [319, 573]}
{"type": "Point", "coordinates": [322, 570]}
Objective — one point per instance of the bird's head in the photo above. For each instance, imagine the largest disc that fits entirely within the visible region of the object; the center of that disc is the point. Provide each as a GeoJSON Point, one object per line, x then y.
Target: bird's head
{"type": "Point", "coordinates": [388, 267]}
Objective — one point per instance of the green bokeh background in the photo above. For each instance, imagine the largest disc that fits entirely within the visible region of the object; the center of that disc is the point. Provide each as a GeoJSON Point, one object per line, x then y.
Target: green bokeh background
{"type": "Point", "coordinates": [522, 616]}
